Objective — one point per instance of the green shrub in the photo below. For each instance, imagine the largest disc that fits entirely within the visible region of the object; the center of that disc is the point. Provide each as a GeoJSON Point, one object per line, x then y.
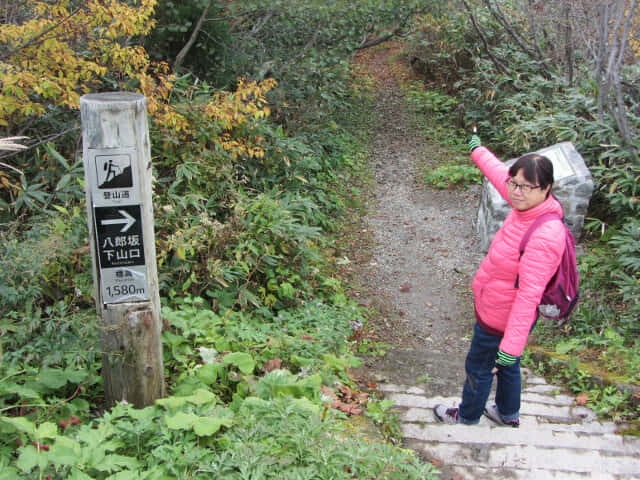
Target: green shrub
{"type": "Point", "coordinates": [431, 102]}
{"type": "Point", "coordinates": [446, 176]}
{"type": "Point", "coordinates": [46, 264]}
{"type": "Point", "coordinates": [209, 56]}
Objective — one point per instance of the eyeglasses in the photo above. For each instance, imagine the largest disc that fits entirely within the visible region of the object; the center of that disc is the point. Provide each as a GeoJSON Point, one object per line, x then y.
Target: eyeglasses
{"type": "Point", "coordinates": [523, 188]}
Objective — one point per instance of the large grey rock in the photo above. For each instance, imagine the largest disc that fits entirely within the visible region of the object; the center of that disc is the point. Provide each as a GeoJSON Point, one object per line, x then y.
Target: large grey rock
{"type": "Point", "coordinates": [572, 186]}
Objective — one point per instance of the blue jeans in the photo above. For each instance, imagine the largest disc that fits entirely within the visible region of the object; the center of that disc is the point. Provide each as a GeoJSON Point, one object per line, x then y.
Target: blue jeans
{"type": "Point", "coordinates": [480, 361]}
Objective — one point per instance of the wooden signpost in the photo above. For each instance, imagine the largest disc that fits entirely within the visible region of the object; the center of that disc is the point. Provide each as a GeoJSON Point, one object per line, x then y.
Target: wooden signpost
{"type": "Point", "coordinates": [117, 164]}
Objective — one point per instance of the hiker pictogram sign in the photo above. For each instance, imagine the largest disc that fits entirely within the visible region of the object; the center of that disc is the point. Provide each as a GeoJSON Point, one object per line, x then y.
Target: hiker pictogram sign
{"type": "Point", "coordinates": [113, 176]}
{"type": "Point", "coordinates": [114, 171]}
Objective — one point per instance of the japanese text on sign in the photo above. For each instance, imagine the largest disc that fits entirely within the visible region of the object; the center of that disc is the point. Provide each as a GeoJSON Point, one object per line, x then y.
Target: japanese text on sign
{"type": "Point", "coordinates": [119, 236]}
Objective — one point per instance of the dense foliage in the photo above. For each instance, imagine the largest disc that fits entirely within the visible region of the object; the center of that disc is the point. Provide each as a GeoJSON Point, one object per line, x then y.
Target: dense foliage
{"type": "Point", "coordinates": [253, 167]}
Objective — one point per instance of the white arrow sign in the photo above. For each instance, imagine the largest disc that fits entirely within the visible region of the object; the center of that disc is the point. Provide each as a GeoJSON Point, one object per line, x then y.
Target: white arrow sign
{"type": "Point", "coordinates": [128, 221]}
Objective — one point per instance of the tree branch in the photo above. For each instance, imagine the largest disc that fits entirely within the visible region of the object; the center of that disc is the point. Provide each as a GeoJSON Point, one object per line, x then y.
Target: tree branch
{"type": "Point", "coordinates": [497, 63]}
{"type": "Point", "coordinates": [396, 31]}
{"type": "Point", "coordinates": [38, 38]}
{"type": "Point", "coordinates": [534, 52]}
{"type": "Point", "coordinates": [192, 38]}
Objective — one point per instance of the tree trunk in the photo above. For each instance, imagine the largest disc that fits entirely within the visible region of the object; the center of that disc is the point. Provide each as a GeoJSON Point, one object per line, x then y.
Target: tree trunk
{"type": "Point", "coordinates": [612, 47]}
{"type": "Point", "coordinates": [568, 42]}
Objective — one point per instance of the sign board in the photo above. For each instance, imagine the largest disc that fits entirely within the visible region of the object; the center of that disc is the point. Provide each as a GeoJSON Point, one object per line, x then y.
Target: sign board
{"type": "Point", "coordinates": [562, 167]}
{"type": "Point", "coordinates": [117, 215]}
{"type": "Point", "coordinates": [112, 176]}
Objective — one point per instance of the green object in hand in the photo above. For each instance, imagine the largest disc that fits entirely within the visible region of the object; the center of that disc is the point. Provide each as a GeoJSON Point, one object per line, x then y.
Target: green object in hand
{"type": "Point", "coordinates": [474, 142]}
{"type": "Point", "coordinates": [505, 359]}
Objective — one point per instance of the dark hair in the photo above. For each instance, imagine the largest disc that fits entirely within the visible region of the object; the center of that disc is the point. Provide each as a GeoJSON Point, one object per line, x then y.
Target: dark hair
{"type": "Point", "coordinates": [536, 169]}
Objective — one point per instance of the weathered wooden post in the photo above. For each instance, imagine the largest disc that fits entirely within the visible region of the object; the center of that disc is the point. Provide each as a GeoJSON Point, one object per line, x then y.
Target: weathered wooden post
{"type": "Point", "coordinates": [117, 163]}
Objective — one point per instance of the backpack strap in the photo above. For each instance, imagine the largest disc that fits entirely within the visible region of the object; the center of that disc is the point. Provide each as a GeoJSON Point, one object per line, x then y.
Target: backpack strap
{"type": "Point", "coordinates": [545, 217]}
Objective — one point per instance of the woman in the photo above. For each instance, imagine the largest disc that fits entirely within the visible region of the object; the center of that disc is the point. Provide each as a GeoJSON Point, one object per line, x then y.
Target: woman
{"type": "Point", "coordinates": [505, 313]}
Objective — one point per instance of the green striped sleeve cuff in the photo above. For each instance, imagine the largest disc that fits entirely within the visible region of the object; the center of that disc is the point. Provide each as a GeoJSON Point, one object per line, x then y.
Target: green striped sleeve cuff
{"type": "Point", "coordinates": [505, 359]}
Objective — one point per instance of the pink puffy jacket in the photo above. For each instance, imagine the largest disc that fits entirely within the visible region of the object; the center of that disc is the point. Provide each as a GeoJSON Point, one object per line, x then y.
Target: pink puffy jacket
{"type": "Point", "coordinates": [500, 306]}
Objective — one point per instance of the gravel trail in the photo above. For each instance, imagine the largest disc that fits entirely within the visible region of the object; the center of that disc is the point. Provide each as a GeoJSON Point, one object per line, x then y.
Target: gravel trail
{"type": "Point", "coordinates": [424, 255]}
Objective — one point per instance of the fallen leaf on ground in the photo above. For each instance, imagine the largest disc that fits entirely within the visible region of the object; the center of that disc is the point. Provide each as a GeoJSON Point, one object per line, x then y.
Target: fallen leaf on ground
{"type": "Point", "coordinates": [271, 365]}
{"type": "Point", "coordinates": [327, 391]}
{"type": "Point", "coordinates": [405, 287]}
{"type": "Point", "coordinates": [582, 399]}
{"type": "Point", "coordinates": [347, 408]}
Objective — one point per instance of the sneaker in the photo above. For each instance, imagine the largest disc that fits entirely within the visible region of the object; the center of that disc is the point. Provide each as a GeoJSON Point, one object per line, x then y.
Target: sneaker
{"type": "Point", "coordinates": [446, 415]}
{"type": "Point", "coordinates": [493, 414]}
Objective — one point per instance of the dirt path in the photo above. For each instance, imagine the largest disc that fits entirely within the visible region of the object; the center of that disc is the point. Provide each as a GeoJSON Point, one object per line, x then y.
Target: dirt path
{"type": "Point", "coordinates": [424, 255]}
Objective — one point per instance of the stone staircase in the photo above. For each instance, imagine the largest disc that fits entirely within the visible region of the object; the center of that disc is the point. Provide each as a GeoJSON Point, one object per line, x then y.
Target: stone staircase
{"type": "Point", "coordinates": [557, 439]}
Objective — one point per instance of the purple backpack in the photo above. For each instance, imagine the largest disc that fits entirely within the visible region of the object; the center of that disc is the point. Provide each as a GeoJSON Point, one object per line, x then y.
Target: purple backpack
{"type": "Point", "coordinates": [561, 294]}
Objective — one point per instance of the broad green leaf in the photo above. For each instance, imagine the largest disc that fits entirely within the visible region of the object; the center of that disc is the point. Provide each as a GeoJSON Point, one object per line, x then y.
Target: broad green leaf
{"type": "Point", "coordinates": [209, 373]}
{"type": "Point", "coordinates": [202, 396]}
{"type": "Point", "coordinates": [116, 462]}
{"type": "Point", "coordinates": [342, 362]}
{"type": "Point", "coordinates": [181, 421]}
{"type": "Point", "coordinates": [565, 347]}
{"type": "Point", "coordinates": [15, 389]}
{"type": "Point", "coordinates": [172, 403]}
{"type": "Point", "coordinates": [76, 376]}
{"type": "Point", "coordinates": [9, 473]}
{"type": "Point", "coordinates": [30, 458]}
{"type": "Point", "coordinates": [242, 360]}
{"type": "Point", "coordinates": [155, 473]}
{"type": "Point", "coordinates": [210, 425]}
{"type": "Point", "coordinates": [129, 475]}
{"type": "Point", "coordinates": [66, 451]}
{"type": "Point", "coordinates": [52, 377]}
{"type": "Point", "coordinates": [64, 181]}
{"type": "Point", "coordinates": [47, 430]}
{"type": "Point", "coordinates": [77, 474]}
{"type": "Point", "coordinates": [21, 423]}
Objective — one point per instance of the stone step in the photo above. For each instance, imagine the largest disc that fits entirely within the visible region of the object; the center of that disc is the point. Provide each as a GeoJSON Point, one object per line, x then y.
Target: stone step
{"type": "Point", "coordinates": [476, 473]}
{"type": "Point", "coordinates": [531, 458]}
{"type": "Point", "coordinates": [560, 399]}
{"type": "Point", "coordinates": [559, 412]}
{"type": "Point", "coordinates": [394, 388]}
{"type": "Point", "coordinates": [426, 416]}
{"type": "Point", "coordinates": [542, 388]}
{"type": "Point", "coordinates": [523, 437]}
{"type": "Point", "coordinates": [557, 439]}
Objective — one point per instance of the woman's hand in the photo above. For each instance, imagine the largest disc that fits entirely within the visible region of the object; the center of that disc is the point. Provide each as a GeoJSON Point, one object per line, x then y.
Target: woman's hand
{"type": "Point", "coordinates": [474, 142]}
{"type": "Point", "coordinates": [504, 360]}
